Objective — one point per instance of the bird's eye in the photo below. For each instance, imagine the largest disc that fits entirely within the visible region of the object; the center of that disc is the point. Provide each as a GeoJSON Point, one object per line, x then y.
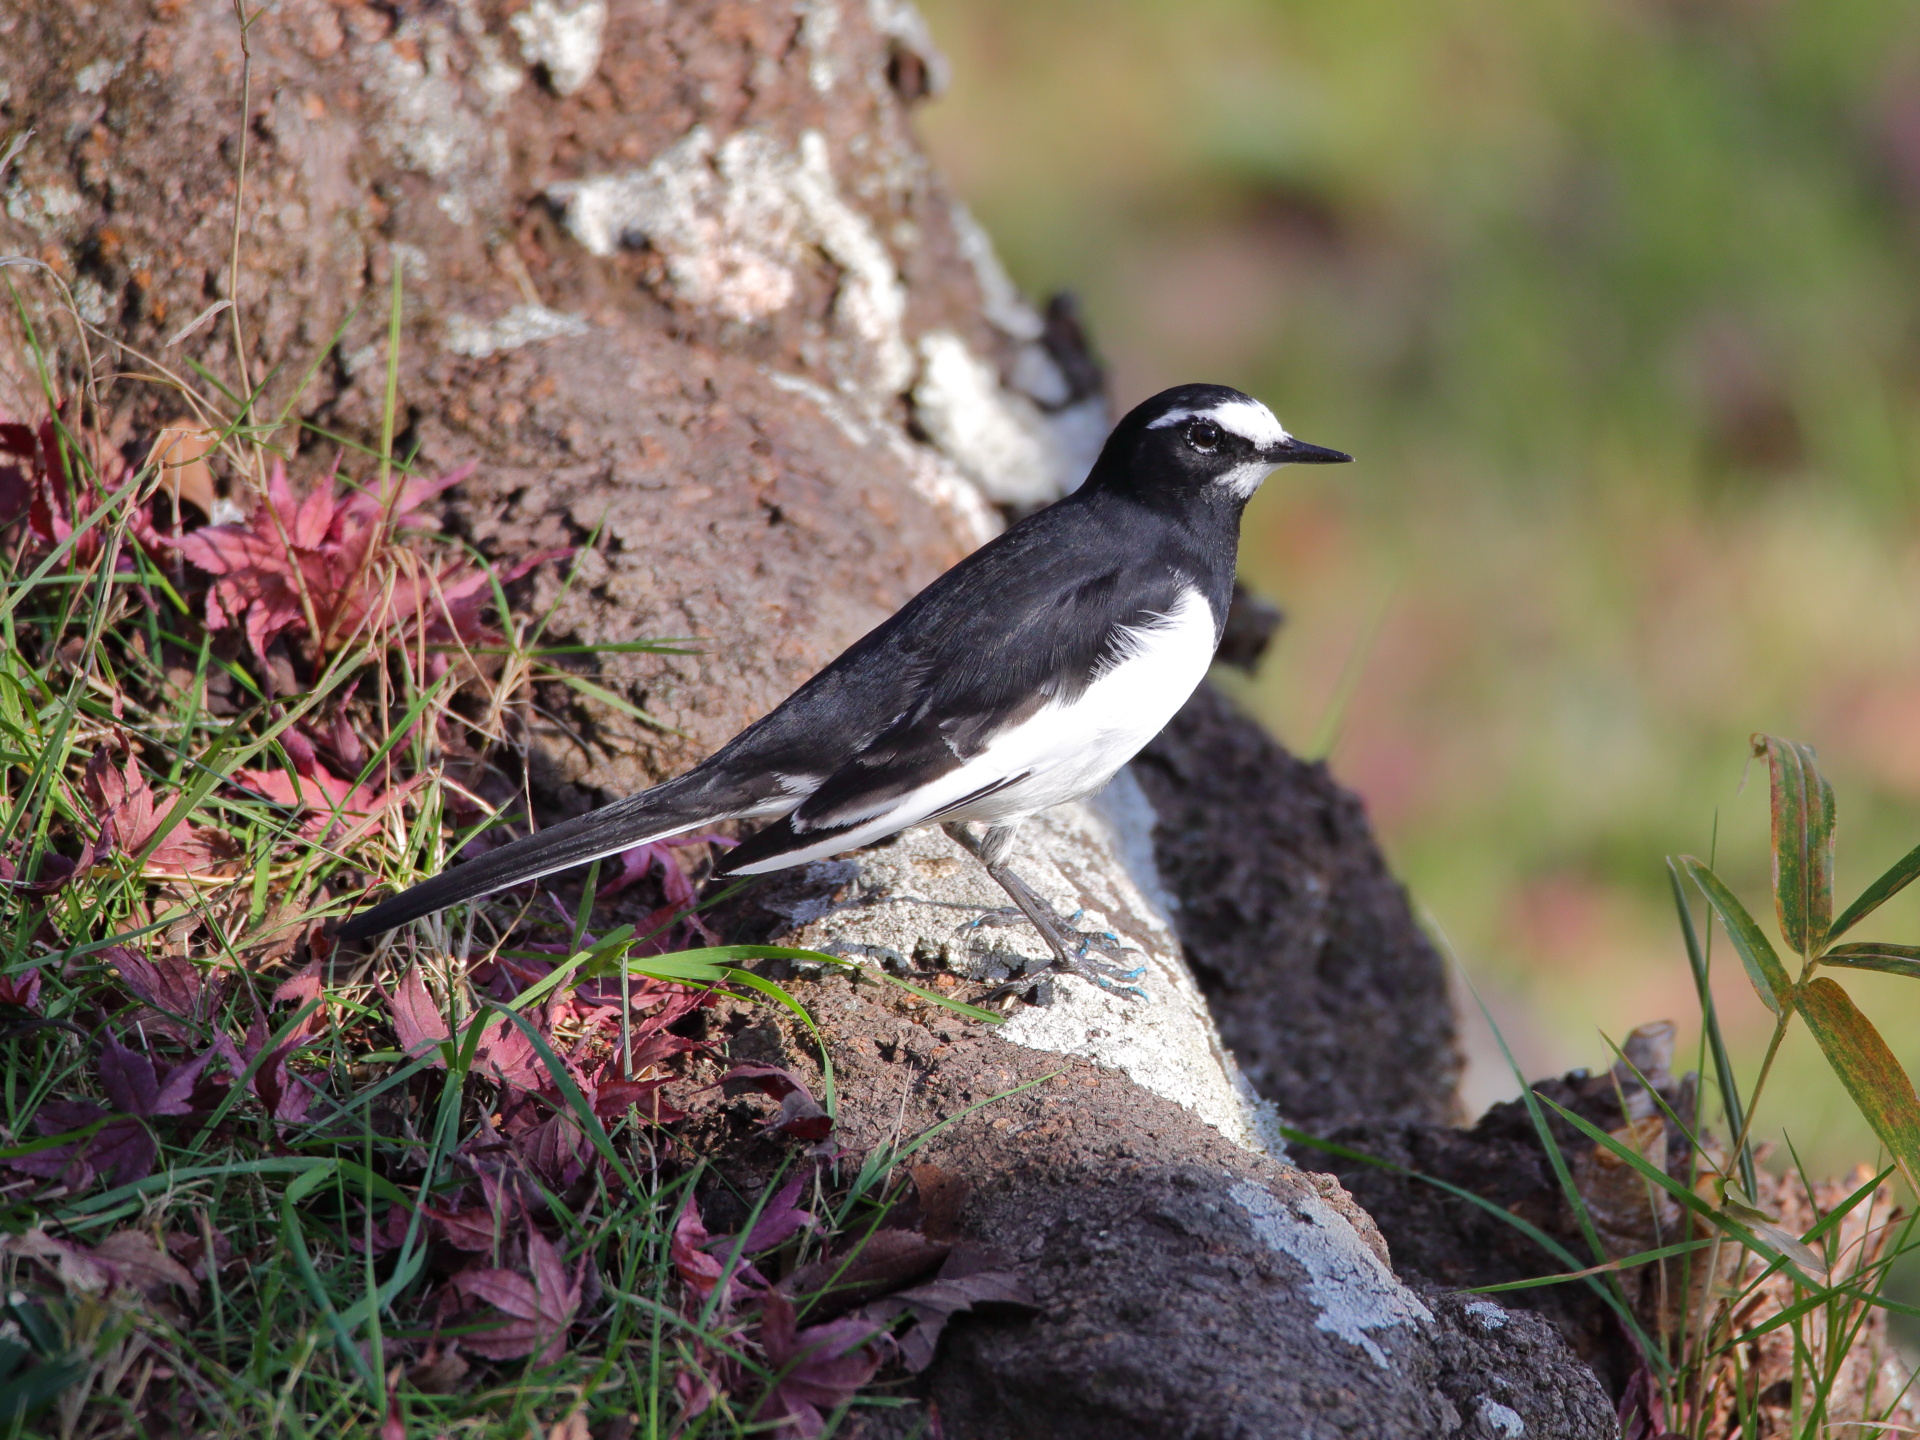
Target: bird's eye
{"type": "Point", "coordinates": [1203, 435]}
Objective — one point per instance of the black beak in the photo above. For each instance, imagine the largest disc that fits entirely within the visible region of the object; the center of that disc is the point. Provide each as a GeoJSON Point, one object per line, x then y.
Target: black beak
{"type": "Point", "coordinates": [1297, 452]}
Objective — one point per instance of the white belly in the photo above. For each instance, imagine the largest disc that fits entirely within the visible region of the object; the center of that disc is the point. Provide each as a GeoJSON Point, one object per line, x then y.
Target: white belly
{"type": "Point", "coordinates": [1074, 747]}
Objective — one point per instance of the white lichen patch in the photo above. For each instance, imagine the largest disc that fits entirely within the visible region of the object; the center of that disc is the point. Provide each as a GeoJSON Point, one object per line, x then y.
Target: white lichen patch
{"type": "Point", "coordinates": [931, 475]}
{"type": "Point", "coordinates": [819, 24]}
{"type": "Point", "coordinates": [94, 78]}
{"type": "Point", "coordinates": [997, 436]}
{"type": "Point", "coordinates": [563, 39]}
{"type": "Point", "coordinates": [426, 125]}
{"type": "Point", "coordinates": [1487, 1315]}
{"type": "Point", "coordinates": [1001, 302]}
{"type": "Point", "coordinates": [1498, 1419]}
{"type": "Point", "coordinates": [522, 325]}
{"type": "Point", "coordinates": [1351, 1287]}
{"type": "Point", "coordinates": [735, 221]}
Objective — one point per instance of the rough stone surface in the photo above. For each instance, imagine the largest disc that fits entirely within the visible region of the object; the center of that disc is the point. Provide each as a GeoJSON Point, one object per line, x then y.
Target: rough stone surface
{"type": "Point", "coordinates": [1188, 1287]}
{"type": "Point", "coordinates": [1322, 984]}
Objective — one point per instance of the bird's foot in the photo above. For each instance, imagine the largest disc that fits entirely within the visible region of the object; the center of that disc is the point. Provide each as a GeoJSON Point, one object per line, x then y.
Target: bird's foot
{"type": "Point", "coordinates": [1096, 956]}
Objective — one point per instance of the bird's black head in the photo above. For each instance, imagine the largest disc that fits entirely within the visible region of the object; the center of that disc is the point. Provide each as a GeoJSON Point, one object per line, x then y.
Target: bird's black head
{"type": "Point", "coordinates": [1200, 440]}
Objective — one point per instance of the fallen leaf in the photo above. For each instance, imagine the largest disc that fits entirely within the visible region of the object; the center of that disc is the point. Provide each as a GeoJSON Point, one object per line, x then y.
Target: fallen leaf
{"type": "Point", "coordinates": [541, 1308]}
{"type": "Point", "coordinates": [22, 990]}
{"type": "Point", "coordinates": [64, 488]}
{"type": "Point", "coordinates": [816, 1370]}
{"type": "Point", "coordinates": [132, 814]}
{"type": "Point", "coordinates": [127, 1258]}
{"type": "Point", "coordinates": [972, 1275]}
{"type": "Point", "coordinates": [137, 1087]}
{"type": "Point", "coordinates": [700, 1272]}
{"type": "Point", "coordinates": [180, 451]}
{"type": "Point", "coordinates": [332, 552]}
{"type": "Point", "coordinates": [800, 1114]}
{"type": "Point", "coordinates": [417, 1022]}
{"type": "Point", "coordinates": [439, 1371]}
{"type": "Point", "coordinates": [182, 996]}
{"type": "Point", "coordinates": [779, 1221]}
{"type": "Point", "coordinates": [873, 1265]}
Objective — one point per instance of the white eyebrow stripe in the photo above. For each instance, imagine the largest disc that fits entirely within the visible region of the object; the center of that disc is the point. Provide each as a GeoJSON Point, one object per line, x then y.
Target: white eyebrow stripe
{"type": "Point", "coordinates": [1248, 419]}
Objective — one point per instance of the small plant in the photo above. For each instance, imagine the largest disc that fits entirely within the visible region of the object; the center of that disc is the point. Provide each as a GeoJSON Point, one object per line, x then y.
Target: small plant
{"type": "Point", "coordinates": [1755, 1302]}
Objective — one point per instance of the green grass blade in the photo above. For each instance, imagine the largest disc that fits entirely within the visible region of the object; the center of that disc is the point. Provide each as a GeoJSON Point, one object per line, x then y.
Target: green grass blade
{"type": "Point", "coordinates": [1734, 1227]}
{"type": "Point", "coordinates": [1769, 976]}
{"type": "Point", "coordinates": [1873, 955]}
{"type": "Point", "coordinates": [1710, 1025]}
{"type": "Point", "coordinates": [1625, 1262]}
{"type": "Point", "coordinates": [1897, 877]}
{"type": "Point", "coordinates": [589, 1123]}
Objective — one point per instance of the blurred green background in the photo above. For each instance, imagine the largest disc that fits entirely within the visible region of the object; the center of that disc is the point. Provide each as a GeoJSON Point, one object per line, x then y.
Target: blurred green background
{"type": "Point", "coordinates": [1618, 304]}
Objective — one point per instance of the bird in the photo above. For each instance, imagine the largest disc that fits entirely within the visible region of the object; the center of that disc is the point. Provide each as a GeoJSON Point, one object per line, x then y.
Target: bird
{"type": "Point", "coordinates": [1023, 677]}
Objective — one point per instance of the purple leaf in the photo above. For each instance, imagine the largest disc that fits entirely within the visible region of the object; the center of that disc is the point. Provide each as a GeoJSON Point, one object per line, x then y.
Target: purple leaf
{"type": "Point", "coordinates": [541, 1309]}
{"type": "Point", "coordinates": [972, 1275]}
{"type": "Point", "coordinates": [817, 1369]}
{"type": "Point", "coordinates": [800, 1114]}
{"type": "Point", "coordinates": [416, 1019]}
{"type": "Point", "coordinates": [126, 1148]}
{"type": "Point", "coordinates": [127, 1077]}
{"type": "Point", "coordinates": [779, 1221]}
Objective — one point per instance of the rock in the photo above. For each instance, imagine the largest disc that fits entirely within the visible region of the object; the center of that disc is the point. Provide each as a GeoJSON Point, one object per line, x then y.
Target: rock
{"type": "Point", "coordinates": [1187, 1286]}
{"type": "Point", "coordinates": [1324, 988]}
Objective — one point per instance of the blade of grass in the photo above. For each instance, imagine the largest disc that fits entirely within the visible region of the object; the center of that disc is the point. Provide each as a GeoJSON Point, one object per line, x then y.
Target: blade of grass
{"type": "Point", "coordinates": [1710, 1024]}
{"type": "Point", "coordinates": [1874, 955]}
{"type": "Point", "coordinates": [1897, 877]}
{"type": "Point", "coordinates": [1682, 1193]}
{"type": "Point", "coordinates": [1769, 976]}
{"type": "Point", "coordinates": [1625, 1262]}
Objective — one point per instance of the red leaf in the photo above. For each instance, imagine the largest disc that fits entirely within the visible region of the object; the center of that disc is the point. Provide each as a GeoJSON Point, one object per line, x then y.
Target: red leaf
{"type": "Point", "coordinates": [324, 544]}
{"type": "Point", "coordinates": [127, 1077]}
{"type": "Point", "coordinates": [22, 990]}
{"type": "Point", "coordinates": [779, 1221]}
{"type": "Point", "coordinates": [476, 1229]}
{"type": "Point", "coordinates": [972, 1275]}
{"type": "Point", "coordinates": [800, 1114]}
{"type": "Point", "coordinates": [876, 1264]}
{"type": "Point", "coordinates": [132, 814]}
{"type": "Point", "coordinates": [125, 1147]}
{"type": "Point", "coordinates": [541, 1309]}
{"type": "Point", "coordinates": [177, 990]}
{"type": "Point", "coordinates": [817, 1369]}
{"type": "Point", "coordinates": [699, 1271]}
{"type": "Point", "coordinates": [416, 1019]}
{"type": "Point", "coordinates": [126, 1258]}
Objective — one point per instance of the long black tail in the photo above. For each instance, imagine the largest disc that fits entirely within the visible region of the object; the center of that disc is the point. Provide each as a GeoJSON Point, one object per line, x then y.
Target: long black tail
{"type": "Point", "coordinates": [664, 810]}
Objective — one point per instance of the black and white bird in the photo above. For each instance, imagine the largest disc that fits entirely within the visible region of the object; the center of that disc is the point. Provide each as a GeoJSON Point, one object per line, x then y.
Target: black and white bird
{"type": "Point", "coordinates": [1024, 677]}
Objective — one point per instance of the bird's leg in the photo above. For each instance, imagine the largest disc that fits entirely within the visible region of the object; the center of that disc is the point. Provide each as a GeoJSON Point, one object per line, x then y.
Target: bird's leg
{"type": "Point", "coordinates": [1071, 948]}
